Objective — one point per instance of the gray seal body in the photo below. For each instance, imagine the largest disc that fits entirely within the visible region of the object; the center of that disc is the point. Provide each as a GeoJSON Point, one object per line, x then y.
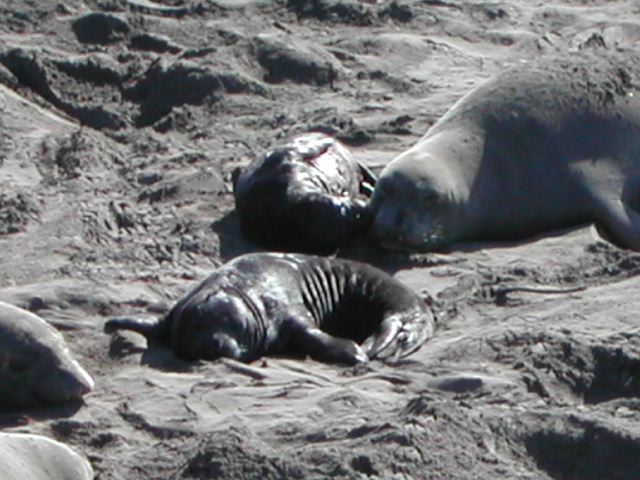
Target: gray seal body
{"type": "Point", "coordinates": [258, 304]}
{"type": "Point", "coordinates": [25, 456]}
{"type": "Point", "coordinates": [36, 366]}
{"type": "Point", "coordinates": [545, 145]}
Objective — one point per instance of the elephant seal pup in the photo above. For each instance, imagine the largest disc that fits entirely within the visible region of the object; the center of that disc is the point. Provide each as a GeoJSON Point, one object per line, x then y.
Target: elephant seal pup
{"type": "Point", "coordinates": [34, 457]}
{"type": "Point", "coordinates": [548, 144]}
{"type": "Point", "coordinates": [304, 196]}
{"type": "Point", "coordinates": [333, 310]}
{"type": "Point", "coordinates": [36, 366]}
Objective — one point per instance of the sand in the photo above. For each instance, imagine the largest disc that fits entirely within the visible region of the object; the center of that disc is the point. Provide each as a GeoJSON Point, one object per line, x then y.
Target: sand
{"type": "Point", "coordinates": [120, 124]}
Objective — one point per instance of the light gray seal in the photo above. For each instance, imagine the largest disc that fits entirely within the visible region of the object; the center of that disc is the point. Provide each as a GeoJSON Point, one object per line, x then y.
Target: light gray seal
{"type": "Point", "coordinates": [36, 366]}
{"type": "Point", "coordinates": [331, 309]}
{"type": "Point", "coordinates": [545, 145]}
{"type": "Point", "coordinates": [25, 456]}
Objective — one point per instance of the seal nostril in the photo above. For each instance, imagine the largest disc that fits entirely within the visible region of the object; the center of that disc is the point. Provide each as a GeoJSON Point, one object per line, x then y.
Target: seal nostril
{"type": "Point", "coordinates": [66, 383]}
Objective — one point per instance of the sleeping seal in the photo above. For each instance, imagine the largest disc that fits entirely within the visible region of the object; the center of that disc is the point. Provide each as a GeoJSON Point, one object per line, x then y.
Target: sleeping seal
{"type": "Point", "coordinates": [333, 310]}
{"type": "Point", "coordinates": [36, 366]}
{"type": "Point", "coordinates": [304, 196]}
{"type": "Point", "coordinates": [545, 145]}
{"type": "Point", "coordinates": [33, 457]}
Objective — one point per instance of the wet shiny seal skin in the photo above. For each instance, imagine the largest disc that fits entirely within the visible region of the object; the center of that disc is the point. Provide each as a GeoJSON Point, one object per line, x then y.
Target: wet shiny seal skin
{"type": "Point", "coordinates": [547, 144]}
{"type": "Point", "coordinates": [36, 366]}
{"type": "Point", "coordinates": [25, 456]}
{"type": "Point", "coordinates": [309, 195]}
{"type": "Point", "coordinates": [258, 304]}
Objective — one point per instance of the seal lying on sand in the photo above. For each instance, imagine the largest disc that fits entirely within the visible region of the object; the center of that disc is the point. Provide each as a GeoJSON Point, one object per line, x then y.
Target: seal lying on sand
{"type": "Point", "coordinates": [265, 303]}
{"type": "Point", "coordinates": [548, 144]}
{"type": "Point", "coordinates": [34, 457]}
{"type": "Point", "coordinates": [303, 196]}
{"type": "Point", "coordinates": [36, 366]}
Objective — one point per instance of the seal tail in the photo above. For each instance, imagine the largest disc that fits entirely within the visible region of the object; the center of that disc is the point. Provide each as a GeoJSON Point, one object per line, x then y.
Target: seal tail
{"type": "Point", "coordinates": [155, 328]}
{"type": "Point", "coordinates": [397, 338]}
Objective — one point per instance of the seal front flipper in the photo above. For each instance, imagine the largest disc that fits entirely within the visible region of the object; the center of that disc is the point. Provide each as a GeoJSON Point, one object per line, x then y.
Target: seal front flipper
{"type": "Point", "coordinates": [383, 338]}
{"type": "Point", "coordinates": [621, 223]}
{"type": "Point", "coordinates": [323, 347]}
{"type": "Point", "coordinates": [398, 337]}
{"type": "Point", "coordinates": [156, 329]}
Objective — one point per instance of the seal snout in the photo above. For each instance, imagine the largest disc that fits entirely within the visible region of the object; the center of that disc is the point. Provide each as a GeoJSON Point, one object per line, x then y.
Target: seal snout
{"type": "Point", "coordinates": [398, 229]}
{"type": "Point", "coordinates": [63, 383]}
{"type": "Point", "coordinates": [389, 226]}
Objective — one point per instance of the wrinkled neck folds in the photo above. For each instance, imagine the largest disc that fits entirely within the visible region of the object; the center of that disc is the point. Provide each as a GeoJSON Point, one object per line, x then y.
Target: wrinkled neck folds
{"type": "Point", "coordinates": [323, 289]}
{"type": "Point", "coordinates": [255, 327]}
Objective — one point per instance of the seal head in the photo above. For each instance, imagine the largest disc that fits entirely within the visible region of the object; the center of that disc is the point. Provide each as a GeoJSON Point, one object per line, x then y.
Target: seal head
{"type": "Point", "coordinates": [34, 457]}
{"type": "Point", "coordinates": [235, 333]}
{"type": "Point", "coordinates": [417, 208]}
{"type": "Point", "coordinates": [36, 366]}
{"type": "Point", "coordinates": [308, 195]}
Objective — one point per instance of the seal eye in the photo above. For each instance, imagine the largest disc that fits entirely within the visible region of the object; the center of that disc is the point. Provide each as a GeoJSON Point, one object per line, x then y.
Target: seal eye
{"type": "Point", "coordinates": [19, 364]}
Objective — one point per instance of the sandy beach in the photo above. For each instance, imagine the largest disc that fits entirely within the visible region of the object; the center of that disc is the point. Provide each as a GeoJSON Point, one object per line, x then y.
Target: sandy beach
{"type": "Point", "coordinates": [121, 122]}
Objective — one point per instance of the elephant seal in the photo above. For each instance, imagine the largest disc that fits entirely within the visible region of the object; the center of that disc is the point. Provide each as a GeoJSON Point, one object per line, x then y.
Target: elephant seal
{"type": "Point", "coordinates": [34, 457]}
{"type": "Point", "coordinates": [268, 303]}
{"type": "Point", "coordinates": [36, 366]}
{"type": "Point", "coordinates": [304, 196]}
{"type": "Point", "coordinates": [545, 145]}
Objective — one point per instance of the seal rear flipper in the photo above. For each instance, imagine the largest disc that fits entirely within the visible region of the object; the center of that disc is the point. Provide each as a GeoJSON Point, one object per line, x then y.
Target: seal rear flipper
{"type": "Point", "coordinates": [369, 180]}
{"type": "Point", "coordinates": [155, 328]}
{"type": "Point", "coordinates": [323, 347]}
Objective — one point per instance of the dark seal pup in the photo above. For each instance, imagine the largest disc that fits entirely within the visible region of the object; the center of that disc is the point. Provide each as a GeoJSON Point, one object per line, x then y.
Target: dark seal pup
{"type": "Point", "coordinates": [304, 196]}
{"type": "Point", "coordinates": [548, 144]}
{"type": "Point", "coordinates": [269, 303]}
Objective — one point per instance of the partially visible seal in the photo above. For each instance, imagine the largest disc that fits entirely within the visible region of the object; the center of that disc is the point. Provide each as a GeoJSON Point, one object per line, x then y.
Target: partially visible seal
{"type": "Point", "coordinates": [36, 366]}
{"type": "Point", "coordinates": [25, 456]}
{"type": "Point", "coordinates": [545, 145]}
{"type": "Point", "coordinates": [258, 304]}
{"type": "Point", "coordinates": [309, 195]}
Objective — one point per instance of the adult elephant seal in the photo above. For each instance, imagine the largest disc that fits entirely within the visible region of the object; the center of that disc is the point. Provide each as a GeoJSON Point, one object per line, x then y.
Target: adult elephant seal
{"type": "Point", "coordinates": [308, 195]}
{"type": "Point", "coordinates": [34, 457]}
{"type": "Point", "coordinates": [269, 303]}
{"type": "Point", "coordinates": [36, 366]}
{"type": "Point", "coordinates": [545, 145]}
